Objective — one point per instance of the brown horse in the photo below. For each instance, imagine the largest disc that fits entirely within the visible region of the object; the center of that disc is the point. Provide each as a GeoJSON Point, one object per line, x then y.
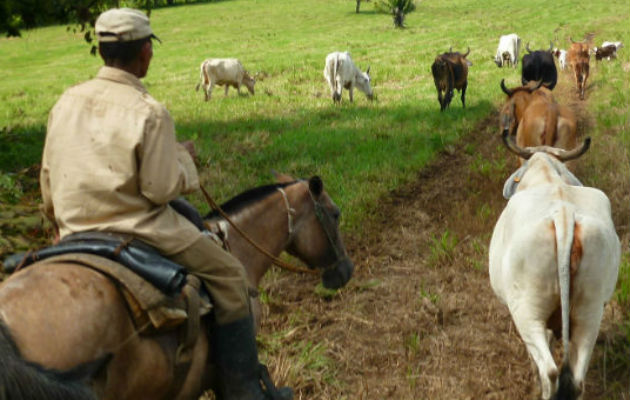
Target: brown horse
{"type": "Point", "coordinates": [65, 317]}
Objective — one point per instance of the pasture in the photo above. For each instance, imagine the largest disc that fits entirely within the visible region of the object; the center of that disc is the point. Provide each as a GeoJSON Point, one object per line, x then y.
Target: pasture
{"type": "Point", "coordinates": [419, 190]}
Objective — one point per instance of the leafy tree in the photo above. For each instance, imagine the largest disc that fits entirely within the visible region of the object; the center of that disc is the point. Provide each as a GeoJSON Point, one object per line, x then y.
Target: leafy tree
{"type": "Point", "coordinates": [397, 8]}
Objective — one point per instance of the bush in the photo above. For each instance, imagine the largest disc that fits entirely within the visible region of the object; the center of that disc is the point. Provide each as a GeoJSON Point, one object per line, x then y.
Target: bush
{"type": "Point", "coordinates": [388, 6]}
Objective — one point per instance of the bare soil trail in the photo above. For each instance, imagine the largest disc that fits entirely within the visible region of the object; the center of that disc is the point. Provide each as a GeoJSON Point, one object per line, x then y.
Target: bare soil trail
{"type": "Point", "coordinates": [419, 320]}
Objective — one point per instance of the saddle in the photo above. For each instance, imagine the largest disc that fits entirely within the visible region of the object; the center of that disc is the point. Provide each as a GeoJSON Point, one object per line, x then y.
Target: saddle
{"type": "Point", "coordinates": [160, 294]}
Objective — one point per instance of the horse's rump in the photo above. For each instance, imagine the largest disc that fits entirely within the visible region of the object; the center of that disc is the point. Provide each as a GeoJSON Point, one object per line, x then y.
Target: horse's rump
{"type": "Point", "coordinates": [67, 311]}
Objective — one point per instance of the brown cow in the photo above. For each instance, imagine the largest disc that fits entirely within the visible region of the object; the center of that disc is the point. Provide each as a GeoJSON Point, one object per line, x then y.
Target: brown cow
{"type": "Point", "coordinates": [578, 57]}
{"type": "Point", "coordinates": [606, 52]}
{"type": "Point", "coordinates": [450, 71]}
{"type": "Point", "coordinates": [532, 113]}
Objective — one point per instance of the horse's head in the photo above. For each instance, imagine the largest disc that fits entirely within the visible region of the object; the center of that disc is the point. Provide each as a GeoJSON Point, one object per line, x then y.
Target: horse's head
{"type": "Point", "coordinates": [315, 238]}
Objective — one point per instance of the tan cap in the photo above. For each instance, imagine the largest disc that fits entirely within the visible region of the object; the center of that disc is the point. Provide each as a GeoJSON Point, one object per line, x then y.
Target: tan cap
{"type": "Point", "coordinates": [122, 25]}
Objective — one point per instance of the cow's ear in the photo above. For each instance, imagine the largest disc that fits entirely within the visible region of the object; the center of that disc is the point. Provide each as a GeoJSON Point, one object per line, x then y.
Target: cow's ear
{"type": "Point", "coordinates": [571, 179]}
{"type": "Point", "coordinates": [512, 182]}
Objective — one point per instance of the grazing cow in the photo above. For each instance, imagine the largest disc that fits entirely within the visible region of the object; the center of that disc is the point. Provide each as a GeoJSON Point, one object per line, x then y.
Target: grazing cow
{"type": "Point", "coordinates": [450, 71]}
{"type": "Point", "coordinates": [340, 72]}
{"type": "Point", "coordinates": [579, 58]}
{"type": "Point", "coordinates": [539, 65]}
{"type": "Point", "coordinates": [553, 261]}
{"type": "Point", "coordinates": [561, 55]}
{"type": "Point", "coordinates": [507, 52]}
{"type": "Point", "coordinates": [532, 114]}
{"type": "Point", "coordinates": [224, 71]}
{"type": "Point", "coordinates": [606, 52]}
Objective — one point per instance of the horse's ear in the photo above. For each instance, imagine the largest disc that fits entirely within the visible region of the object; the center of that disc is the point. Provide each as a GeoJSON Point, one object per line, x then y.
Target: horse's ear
{"type": "Point", "coordinates": [315, 185]}
{"type": "Point", "coordinates": [282, 178]}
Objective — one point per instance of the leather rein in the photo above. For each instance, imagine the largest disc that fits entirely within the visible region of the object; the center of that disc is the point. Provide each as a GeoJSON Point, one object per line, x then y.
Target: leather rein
{"type": "Point", "coordinates": [276, 260]}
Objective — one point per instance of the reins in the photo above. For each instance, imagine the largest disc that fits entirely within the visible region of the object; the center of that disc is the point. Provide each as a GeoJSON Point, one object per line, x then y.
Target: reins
{"type": "Point", "coordinates": [275, 260]}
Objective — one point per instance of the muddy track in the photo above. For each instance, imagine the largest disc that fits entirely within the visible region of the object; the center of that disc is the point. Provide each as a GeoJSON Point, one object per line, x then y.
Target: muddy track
{"type": "Point", "coordinates": [419, 320]}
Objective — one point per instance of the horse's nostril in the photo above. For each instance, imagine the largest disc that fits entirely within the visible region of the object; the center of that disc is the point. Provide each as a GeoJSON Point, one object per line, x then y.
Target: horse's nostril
{"type": "Point", "coordinates": [338, 277]}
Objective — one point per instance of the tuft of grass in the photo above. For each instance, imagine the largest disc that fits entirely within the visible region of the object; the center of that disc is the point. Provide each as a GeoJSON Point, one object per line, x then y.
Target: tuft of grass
{"type": "Point", "coordinates": [442, 248]}
{"type": "Point", "coordinates": [321, 291]}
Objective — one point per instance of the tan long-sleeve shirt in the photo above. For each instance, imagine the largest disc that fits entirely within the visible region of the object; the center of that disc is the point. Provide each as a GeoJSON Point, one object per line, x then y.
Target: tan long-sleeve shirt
{"type": "Point", "coordinates": [111, 163]}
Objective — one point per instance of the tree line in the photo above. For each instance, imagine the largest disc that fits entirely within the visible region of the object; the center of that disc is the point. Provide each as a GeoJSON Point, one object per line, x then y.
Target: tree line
{"type": "Point", "coordinates": [17, 15]}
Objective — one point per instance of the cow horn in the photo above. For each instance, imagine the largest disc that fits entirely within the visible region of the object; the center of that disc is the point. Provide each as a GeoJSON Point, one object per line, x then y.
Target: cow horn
{"type": "Point", "coordinates": [513, 147]}
{"type": "Point", "coordinates": [527, 47]}
{"type": "Point", "coordinates": [450, 49]}
{"type": "Point", "coordinates": [367, 71]}
{"type": "Point", "coordinates": [571, 39]}
{"type": "Point", "coordinates": [576, 152]}
{"type": "Point", "coordinates": [468, 52]}
{"type": "Point", "coordinates": [506, 90]}
{"type": "Point", "coordinates": [550, 45]}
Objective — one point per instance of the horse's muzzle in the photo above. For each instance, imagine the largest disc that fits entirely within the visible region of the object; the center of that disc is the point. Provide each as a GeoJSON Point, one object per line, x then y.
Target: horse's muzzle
{"type": "Point", "coordinates": [337, 277]}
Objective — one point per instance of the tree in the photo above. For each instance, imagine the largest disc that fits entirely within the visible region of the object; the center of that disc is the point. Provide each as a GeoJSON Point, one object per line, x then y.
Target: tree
{"type": "Point", "coordinates": [80, 14]}
{"type": "Point", "coordinates": [397, 8]}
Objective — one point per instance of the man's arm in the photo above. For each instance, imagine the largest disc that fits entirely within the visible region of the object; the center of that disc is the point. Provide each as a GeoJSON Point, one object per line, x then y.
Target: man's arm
{"type": "Point", "coordinates": [46, 207]}
{"type": "Point", "coordinates": [166, 168]}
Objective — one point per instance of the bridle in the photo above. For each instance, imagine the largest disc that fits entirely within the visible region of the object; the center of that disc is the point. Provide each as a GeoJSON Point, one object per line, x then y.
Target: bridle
{"type": "Point", "coordinates": [322, 216]}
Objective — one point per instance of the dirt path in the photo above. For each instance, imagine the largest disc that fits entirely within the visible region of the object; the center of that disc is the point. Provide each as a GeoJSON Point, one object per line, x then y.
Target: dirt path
{"type": "Point", "coordinates": [419, 320]}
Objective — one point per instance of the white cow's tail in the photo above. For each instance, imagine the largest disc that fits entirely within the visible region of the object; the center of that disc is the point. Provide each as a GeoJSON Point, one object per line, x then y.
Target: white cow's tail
{"type": "Point", "coordinates": [565, 231]}
{"type": "Point", "coordinates": [202, 75]}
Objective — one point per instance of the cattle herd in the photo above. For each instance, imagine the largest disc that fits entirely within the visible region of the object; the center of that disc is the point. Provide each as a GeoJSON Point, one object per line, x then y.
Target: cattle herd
{"type": "Point", "coordinates": [554, 253]}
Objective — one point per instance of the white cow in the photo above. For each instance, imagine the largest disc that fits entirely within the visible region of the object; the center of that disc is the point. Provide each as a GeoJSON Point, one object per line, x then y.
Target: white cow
{"type": "Point", "coordinates": [340, 72]}
{"type": "Point", "coordinates": [561, 55]}
{"type": "Point", "coordinates": [554, 260]}
{"type": "Point", "coordinates": [617, 45]}
{"type": "Point", "coordinates": [507, 52]}
{"type": "Point", "coordinates": [224, 71]}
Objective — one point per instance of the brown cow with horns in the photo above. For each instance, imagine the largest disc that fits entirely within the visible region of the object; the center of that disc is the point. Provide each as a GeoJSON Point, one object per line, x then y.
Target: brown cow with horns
{"type": "Point", "coordinates": [578, 57]}
{"type": "Point", "coordinates": [450, 71]}
{"type": "Point", "coordinates": [532, 114]}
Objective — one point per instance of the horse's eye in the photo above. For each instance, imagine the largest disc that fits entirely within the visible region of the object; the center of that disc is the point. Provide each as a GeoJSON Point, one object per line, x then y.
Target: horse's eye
{"type": "Point", "coordinates": [336, 215]}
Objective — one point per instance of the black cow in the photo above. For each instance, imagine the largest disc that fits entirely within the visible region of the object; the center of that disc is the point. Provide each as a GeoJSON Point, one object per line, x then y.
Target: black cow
{"type": "Point", "coordinates": [539, 65]}
{"type": "Point", "coordinates": [450, 71]}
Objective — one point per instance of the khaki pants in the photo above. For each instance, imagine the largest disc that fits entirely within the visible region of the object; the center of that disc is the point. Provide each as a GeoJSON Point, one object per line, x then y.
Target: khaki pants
{"type": "Point", "coordinates": [223, 275]}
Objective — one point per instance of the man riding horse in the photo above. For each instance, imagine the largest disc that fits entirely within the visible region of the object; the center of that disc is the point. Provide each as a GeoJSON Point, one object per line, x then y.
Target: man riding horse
{"type": "Point", "coordinates": [111, 163]}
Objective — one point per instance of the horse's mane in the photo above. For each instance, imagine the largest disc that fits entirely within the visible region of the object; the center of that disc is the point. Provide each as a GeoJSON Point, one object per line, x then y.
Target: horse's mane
{"type": "Point", "coordinates": [243, 200]}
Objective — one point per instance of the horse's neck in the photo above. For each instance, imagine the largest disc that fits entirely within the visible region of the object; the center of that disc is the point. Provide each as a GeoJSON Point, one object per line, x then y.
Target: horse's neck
{"type": "Point", "coordinates": [265, 223]}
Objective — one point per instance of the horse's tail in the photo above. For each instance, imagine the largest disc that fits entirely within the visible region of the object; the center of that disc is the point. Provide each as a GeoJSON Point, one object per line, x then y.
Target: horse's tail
{"type": "Point", "coordinates": [22, 380]}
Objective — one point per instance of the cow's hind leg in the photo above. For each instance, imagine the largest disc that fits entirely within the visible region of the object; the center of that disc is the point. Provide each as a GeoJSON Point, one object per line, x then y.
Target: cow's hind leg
{"type": "Point", "coordinates": [534, 333]}
{"type": "Point", "coordinates": [464, 94]}
{"type": "Point", "coordinates": [209, 91]}
{"type": "Point", "coordinates": [585, 322]}
{"type": "Point", "coordinates": [448, 98]}
{"type": "Point", "coordinates": [440, 99]}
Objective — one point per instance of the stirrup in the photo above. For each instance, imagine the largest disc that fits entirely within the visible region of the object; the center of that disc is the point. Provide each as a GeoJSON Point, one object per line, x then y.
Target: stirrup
{"type": "Point", "coordinates": [285, 393]}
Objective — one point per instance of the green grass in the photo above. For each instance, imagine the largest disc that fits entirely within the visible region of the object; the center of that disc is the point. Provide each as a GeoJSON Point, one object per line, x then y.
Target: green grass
{"type": "Point", "coordinates": [361, 150]}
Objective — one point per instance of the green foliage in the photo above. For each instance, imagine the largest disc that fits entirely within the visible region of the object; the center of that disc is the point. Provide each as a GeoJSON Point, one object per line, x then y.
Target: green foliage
{"type": "Point", "coordinates": [388, 6]}
{"type": "Point", "coordinates": [10, 189]}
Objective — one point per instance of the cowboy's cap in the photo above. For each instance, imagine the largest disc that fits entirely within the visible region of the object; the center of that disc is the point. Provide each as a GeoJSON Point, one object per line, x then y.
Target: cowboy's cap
{"type": "Point", "coordinates": [123, 25]}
